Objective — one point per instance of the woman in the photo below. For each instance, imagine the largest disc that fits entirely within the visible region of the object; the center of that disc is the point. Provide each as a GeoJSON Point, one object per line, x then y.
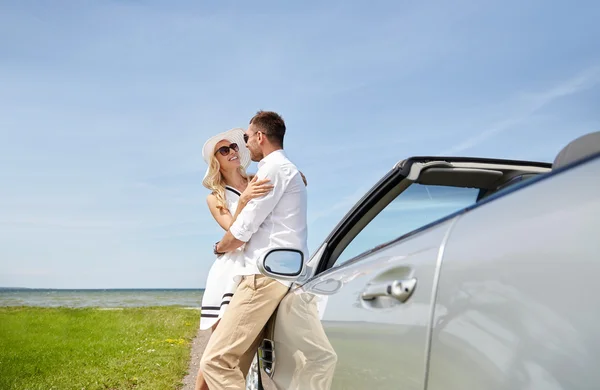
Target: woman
{"type": "Point", "coordinates": [231, 189]}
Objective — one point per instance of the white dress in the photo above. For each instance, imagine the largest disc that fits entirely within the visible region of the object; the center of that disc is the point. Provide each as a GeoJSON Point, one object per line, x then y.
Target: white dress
{"type": "Point", "coordinates": [222, 281]}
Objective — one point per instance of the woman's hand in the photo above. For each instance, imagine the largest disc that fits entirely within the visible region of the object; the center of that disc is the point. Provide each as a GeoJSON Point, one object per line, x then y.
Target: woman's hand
{"type": "Point", "coordinates": [256, 188]}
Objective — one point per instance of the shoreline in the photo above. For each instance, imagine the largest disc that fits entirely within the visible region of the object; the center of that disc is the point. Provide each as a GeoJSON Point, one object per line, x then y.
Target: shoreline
{"type": "Point", "coordinates": [115, 298]}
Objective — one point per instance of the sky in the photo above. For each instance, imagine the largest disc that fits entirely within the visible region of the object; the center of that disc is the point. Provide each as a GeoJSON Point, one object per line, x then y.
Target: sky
{"type": "Point", "coordinates": [105, 106]}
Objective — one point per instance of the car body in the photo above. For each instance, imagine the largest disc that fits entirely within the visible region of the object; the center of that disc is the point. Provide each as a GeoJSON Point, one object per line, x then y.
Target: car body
{"type": "Point", "coordinates": [450, 273]}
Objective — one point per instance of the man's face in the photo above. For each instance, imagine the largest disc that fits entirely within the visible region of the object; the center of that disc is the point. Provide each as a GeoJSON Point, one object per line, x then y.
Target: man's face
{"type": "Point", "coordinates": [252, 143]}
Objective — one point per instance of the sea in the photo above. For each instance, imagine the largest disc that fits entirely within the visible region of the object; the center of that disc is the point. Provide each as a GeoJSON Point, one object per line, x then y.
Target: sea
{"type": "Point", "coordinates": [104, 298]}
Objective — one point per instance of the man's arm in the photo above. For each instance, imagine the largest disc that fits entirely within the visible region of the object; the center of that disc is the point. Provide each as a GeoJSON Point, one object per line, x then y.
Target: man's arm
{"type": "Point", "coordinates": [255, 212]}
{"type": "Point", "coordinates": [228, 243]}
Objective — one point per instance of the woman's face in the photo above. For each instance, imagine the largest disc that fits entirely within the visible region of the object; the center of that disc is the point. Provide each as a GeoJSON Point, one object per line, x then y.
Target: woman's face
{"type": "Point", "coordinates": [227, 154]}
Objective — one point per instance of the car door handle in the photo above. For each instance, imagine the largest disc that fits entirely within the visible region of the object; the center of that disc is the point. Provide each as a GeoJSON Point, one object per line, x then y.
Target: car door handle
{"type": "Point", "coordinates": [400, 290]}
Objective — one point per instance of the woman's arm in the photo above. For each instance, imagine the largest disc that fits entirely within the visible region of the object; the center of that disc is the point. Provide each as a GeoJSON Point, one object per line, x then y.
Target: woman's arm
{"type": "Point", "coordinates": [222, 215]}
{"type": "Point", "coordinates": [255, 189]}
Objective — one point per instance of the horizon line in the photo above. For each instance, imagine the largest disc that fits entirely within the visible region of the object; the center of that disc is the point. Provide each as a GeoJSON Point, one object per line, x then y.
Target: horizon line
{"type": "Point", "coordinates": [103, 288]}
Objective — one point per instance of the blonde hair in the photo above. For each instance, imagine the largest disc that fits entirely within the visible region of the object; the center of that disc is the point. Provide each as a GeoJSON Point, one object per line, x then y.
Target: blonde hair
{"type": "Point", "coordinates": [215, 182]}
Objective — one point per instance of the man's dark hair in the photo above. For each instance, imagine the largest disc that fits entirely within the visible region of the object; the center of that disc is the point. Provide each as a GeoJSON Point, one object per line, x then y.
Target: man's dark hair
{"type": "Point", "coordinates": [271, 124]}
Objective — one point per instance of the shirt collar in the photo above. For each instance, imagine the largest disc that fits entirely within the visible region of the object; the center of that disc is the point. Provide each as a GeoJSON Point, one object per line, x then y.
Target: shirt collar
{"type": "Point", "coordinates": [273, 156]}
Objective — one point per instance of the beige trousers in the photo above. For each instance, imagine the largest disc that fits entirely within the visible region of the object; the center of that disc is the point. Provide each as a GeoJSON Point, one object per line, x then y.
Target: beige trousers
{"type": "Point", "coordinates": [232, 346]}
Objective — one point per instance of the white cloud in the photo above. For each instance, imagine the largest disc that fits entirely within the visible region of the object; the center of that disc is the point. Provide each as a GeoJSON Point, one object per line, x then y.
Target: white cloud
{"type": "Point", "coordinates": [527, 105]}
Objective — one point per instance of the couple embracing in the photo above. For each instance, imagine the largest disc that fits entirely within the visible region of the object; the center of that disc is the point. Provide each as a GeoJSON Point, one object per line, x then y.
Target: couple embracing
{"type": "Point", "coordinates": [259, 212]}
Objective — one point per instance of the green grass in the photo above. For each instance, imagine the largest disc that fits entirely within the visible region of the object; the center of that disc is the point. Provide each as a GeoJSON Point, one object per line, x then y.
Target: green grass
{"type": "Point", "coordinates": [61, 348]}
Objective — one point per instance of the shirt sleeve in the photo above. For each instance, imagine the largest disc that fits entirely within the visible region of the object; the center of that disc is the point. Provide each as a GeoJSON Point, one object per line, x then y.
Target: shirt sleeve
{"type": "Point", "coordinates": [257, 210]}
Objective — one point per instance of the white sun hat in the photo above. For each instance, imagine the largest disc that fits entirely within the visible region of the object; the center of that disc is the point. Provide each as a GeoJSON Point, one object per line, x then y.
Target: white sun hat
{"type": "Point", "coordinates": [234, 136]}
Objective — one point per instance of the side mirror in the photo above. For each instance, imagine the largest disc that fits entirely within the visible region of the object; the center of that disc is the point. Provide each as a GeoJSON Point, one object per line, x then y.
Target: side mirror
{"type": "Point", "coordinates": [282, 264]}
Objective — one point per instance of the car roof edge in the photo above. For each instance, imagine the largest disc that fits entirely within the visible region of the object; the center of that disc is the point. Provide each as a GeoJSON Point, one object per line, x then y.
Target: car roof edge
{"type": "Point", "coordinates": [422, 159]}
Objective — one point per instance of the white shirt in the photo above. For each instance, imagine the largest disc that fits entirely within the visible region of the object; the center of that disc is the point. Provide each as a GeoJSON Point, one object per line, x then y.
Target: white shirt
{"type": "Point", "coordinates": [276, 220]}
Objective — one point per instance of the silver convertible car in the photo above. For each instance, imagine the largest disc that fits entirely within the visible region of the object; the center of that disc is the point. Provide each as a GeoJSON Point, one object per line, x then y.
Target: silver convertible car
{"type": "Point", "coordinates": [450, 274]}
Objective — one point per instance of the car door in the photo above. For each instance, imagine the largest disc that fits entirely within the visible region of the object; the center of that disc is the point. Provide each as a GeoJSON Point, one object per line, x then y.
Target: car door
{"type": "Point", "coordinates": [517, 300]}
{"type": "Point", "coordinates": [361, 318]}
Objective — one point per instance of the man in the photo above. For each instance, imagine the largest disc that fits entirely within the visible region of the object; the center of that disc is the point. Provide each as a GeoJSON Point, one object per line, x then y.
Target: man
{"type": "Point", "coordinates": [277, 220]}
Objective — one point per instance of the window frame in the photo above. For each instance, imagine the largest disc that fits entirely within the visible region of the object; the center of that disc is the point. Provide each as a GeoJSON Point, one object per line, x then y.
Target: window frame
{"type": "Point", "coordinates": [388, 188]}
{"type": "Point", "coordinates": [468, 196]}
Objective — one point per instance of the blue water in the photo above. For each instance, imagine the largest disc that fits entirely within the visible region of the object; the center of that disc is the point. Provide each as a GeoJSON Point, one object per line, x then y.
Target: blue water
{"type": "Point", "coordinates": [101, 298]}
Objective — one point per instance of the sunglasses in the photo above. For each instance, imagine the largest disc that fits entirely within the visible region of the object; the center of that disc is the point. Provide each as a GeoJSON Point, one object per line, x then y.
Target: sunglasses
{"type": "Point", "coordinates": [224, 150]}
{"type": "Point", "coordinates": [246, 138]}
